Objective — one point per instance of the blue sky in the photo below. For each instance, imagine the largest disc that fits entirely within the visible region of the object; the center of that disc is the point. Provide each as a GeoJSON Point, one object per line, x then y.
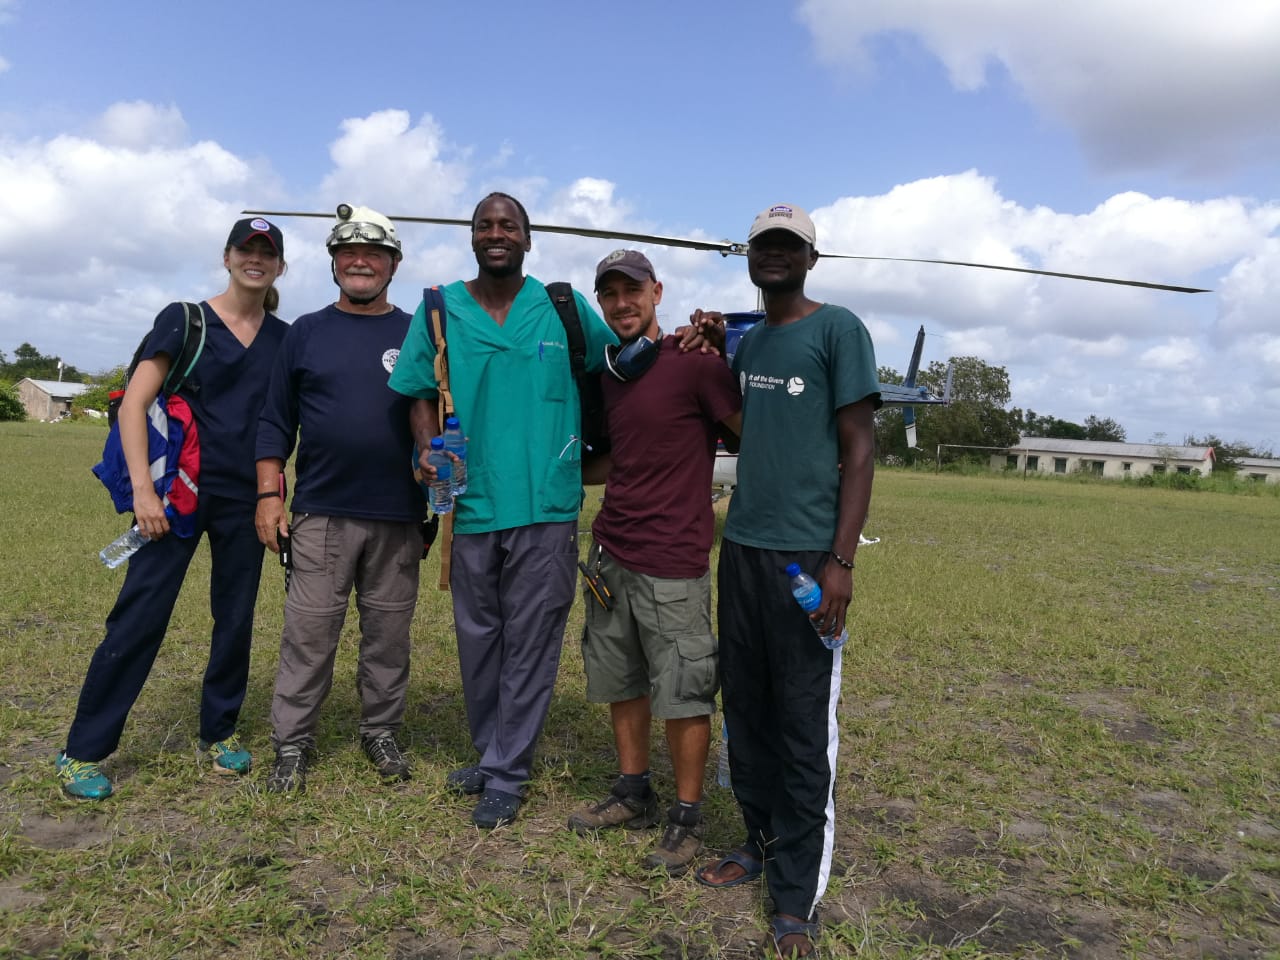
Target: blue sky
{"type": "Point", "coordinates": [1133, 139]}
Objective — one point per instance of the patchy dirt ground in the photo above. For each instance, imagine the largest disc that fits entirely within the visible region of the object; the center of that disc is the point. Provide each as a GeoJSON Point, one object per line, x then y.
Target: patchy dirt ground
{"type": "Point", "coordinates": [905, 882]}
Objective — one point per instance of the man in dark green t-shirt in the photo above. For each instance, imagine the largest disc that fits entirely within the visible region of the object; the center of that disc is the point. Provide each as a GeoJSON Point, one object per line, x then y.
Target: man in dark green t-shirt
{"type": "Point", "coordinates": [809, 390]}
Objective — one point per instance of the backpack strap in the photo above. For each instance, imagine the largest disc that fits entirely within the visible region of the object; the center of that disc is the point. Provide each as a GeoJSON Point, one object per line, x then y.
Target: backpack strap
{"type": "Point", "coordinates": [437, 321]}
{"type": "Point", "coordinates": [595, 436]}
{"type": "Point", "coordinates": [193, 336]}
{"type": "Point", "coordinates": [566, 305]}
{"type": "Point", "coordinates": [137, 359]}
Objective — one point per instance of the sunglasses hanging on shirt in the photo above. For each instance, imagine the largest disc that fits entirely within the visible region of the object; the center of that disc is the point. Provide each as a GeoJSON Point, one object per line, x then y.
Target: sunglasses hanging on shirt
{"type": "Point", "coordinates": [628, 361]}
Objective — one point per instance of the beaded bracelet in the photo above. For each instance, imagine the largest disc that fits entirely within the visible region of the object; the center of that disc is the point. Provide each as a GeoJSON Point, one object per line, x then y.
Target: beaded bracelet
{"type": "Point", "coordinates": [847, 564]}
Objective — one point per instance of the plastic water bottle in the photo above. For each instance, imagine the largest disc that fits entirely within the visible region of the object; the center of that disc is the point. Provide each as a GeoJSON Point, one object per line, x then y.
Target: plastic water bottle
{"type": "Point", "coordinates": [456, 443]}
{"type": "Point", "coordinates": [440, 491]}
{"type": "Point", "coordinates": [122, 547]}
{"type": "Point", "coordinates": [722, 765]}
{"type": "Point", "coordinates": [809, 595]}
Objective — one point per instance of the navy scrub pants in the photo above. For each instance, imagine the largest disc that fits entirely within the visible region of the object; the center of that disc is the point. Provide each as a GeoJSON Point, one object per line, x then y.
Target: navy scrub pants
{"type": "Point", "coordinates": [137, 623]}
{"type": "Point", "coordinates": [780, 688]}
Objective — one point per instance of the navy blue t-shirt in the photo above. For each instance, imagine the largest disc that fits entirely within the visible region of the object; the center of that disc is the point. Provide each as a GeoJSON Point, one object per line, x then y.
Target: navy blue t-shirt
{"type": "Point", "coordinates": [330, 383]}
{"type": "Point", "coordinates": [225, 391]}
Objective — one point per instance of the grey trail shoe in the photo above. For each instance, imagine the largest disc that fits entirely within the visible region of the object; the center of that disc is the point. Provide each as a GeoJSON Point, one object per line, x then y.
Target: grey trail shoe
{"type": "Point", "coordinates": [384, 753]}
{"type": "Point", "coordinates": [289, 772]}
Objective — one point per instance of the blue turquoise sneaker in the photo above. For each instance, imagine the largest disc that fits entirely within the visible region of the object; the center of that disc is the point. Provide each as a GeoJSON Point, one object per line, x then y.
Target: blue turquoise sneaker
{"type": "Point", "coordinates": [228, 756]}
{"type": "Point", "coordinates": [81, 779]}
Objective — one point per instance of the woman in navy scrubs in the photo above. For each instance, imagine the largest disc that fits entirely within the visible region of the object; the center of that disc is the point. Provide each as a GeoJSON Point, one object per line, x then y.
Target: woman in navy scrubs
{"type": "Point", "coordinates": [225, 392]}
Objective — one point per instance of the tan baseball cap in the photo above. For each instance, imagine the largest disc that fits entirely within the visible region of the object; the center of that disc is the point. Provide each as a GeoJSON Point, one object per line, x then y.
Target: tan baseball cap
{"type": "Point", "coordinates": [783, 216]}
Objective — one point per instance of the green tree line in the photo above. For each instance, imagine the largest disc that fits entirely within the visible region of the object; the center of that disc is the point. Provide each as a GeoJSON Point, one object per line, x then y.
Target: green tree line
{"type": "Point", "coordinates": [29, 362]}
{"type": "Point", "coordinates": [980, 415]}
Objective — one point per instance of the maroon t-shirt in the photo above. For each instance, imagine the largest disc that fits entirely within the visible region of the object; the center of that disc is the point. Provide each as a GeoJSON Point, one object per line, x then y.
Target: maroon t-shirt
{"type": "Point", "coordinates": [656, 518]}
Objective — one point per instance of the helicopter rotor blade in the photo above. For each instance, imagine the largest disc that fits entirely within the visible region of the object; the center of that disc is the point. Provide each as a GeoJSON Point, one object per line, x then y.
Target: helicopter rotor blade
{"type": "Point", "coordinates": [728, 247]}
{"type": "Point", "coordinates": [1042, 273]}
{"type": "Point", "coordinates": [723, 247]}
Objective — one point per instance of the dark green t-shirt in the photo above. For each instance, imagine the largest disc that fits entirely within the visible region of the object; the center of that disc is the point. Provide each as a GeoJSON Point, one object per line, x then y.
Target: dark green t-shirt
{"type": "Point", "coordinates": [794, 378]}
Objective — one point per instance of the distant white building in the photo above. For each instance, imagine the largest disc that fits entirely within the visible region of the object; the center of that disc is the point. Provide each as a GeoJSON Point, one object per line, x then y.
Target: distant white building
{"type": "Point", "coordinates": [1103, 458]}
{"type": "Point", "coordinates": [1260, 469]}
{"type": "Point", "coordinates": [48, 399]}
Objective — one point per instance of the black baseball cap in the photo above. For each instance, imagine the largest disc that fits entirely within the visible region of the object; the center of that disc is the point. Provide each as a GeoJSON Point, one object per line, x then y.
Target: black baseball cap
{"type": "Point", "coordinates": [246, 230]}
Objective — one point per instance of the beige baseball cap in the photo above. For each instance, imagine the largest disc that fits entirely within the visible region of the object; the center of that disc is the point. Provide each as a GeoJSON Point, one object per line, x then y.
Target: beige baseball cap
{"type": "Point", "coordinates": [783, 216]}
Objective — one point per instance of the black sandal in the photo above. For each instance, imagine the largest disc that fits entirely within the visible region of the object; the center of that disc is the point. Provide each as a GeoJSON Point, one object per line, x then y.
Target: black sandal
{"type": "Point", "coordinates": [743, 858]}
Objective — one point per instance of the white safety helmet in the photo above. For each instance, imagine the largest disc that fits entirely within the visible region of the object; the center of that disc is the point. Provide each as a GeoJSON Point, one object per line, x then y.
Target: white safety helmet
{"type": "Point", "coordinates": [363, 225]}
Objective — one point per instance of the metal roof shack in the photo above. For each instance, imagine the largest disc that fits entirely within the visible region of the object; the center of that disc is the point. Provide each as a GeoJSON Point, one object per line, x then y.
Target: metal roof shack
{"type": "Point", "coordinates": [1262, 469]}
{"type": "Point", "coordinates": [1102, 458]}
{"type": "Point", "coordinates": [48, 399]}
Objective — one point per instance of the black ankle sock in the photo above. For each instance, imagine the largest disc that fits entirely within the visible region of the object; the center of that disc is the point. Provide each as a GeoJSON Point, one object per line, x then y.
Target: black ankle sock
{"type": "Point", "coordinates": [633, 785]}
{"type": "Point", "coordinates": [686, 814]}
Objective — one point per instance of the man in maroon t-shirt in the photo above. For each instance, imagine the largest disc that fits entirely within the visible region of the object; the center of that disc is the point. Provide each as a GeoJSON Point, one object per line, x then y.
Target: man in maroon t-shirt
{"type": "Point", "coordinates": [653, 653]}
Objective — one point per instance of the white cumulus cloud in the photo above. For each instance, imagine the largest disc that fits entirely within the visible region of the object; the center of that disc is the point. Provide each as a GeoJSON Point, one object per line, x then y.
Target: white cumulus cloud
{"type": "Point", "coordinates": [1180, 83]}
{"type": "Point", "coordinates": [387, 161]}
{"type": "Point", "coordinates": [98, 231]}
{"type": "Point", "coordinates": [139, 125]}
{"type": "Point", "coordinates": [1177, 354]}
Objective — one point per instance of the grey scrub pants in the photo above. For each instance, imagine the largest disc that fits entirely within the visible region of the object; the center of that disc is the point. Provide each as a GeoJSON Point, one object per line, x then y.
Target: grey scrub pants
{"type": "Point", "coordinates": [512, 590]}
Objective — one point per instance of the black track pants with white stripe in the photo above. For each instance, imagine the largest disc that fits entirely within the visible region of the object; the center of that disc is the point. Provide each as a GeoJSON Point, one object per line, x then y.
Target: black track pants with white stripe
{"type": "Point", "coordinates": [780, 687]}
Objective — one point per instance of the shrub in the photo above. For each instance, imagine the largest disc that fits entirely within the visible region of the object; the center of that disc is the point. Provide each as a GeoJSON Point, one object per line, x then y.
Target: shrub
{"type": "Point", "coordinates": [95, 398]}
{"type": "Point", "coordinates": [11, 407]}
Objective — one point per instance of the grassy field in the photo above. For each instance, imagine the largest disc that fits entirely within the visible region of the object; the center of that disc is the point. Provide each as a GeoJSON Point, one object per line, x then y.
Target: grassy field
{"type": "Point", "coordinates": [1060, 738]}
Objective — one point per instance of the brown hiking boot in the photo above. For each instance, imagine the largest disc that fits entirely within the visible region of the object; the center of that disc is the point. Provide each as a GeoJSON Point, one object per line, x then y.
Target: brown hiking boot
{"type": "Point", "coordinates": [679, 845]}
{"type": "Point", "coordinates": [615, 810]}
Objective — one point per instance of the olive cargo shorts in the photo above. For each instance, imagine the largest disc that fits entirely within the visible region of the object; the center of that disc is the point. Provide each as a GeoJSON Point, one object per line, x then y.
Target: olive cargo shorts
{"type": "Point", "coordinates": [657, 640]}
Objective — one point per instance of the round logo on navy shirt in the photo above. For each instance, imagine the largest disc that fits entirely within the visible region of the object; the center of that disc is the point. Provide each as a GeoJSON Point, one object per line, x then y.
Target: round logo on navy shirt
{"type": "Point", "coordinates": [389, 359]}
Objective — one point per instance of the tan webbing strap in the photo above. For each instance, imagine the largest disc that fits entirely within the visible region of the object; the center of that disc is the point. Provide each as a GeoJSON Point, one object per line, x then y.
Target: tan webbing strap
{"type": "Point", "coordinates": [441, 367]}
{"type": "Point", "coordinates": [444, 539]}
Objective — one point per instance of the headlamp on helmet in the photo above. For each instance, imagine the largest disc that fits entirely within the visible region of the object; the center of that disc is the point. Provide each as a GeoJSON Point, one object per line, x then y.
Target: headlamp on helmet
{"type": "Point", "coordinates": [363, 225]}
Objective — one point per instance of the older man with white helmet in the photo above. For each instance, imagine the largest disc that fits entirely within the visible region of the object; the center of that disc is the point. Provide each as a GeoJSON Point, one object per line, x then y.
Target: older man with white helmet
{"type": "Point", "coordinates": [357, 511]}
